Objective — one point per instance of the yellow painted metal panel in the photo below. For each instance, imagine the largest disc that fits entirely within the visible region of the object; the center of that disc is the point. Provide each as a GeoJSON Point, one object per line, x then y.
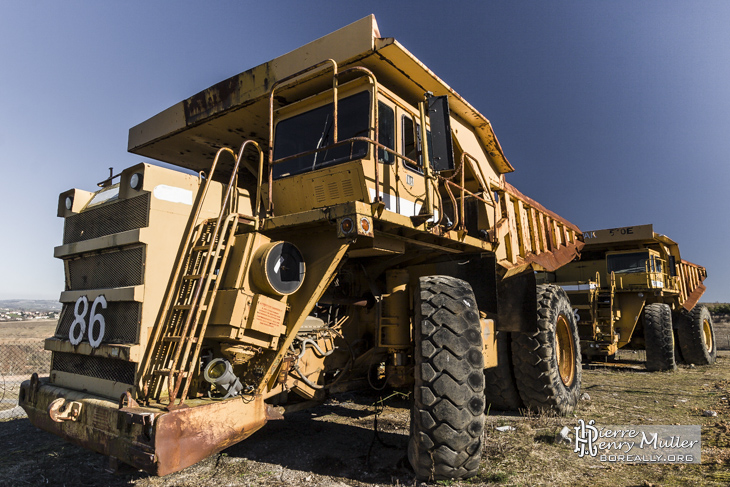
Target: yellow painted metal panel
{"type": "Point", "coordinates": [267, 315]}
{"type": "Point", "coordinates": [129, 293]}
{"type": "Point", "coordinates": [99, 387]}
{"type": "Point", "coordinates": [630, 305]}
{"type": "Point", "coordinates": [114, 351]}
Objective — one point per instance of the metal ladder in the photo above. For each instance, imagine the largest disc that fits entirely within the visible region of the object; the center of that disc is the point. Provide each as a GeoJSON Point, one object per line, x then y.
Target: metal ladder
{"type": "Point", "coordinates": [174, 347]}
{"type": "Point", "coordinates": [606, 311]}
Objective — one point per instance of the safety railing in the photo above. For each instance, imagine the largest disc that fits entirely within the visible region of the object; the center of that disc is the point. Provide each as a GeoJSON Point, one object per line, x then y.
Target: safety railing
{"type": "Point", "coordinates": [655, 275]}
{"type": "Point", "coordinates": [539, 231]}
{"type": "Point", "coordinates": [323, 65]}
{"type": "Point", "coordinates": [327, 65]}
{"type": "Point", "coordinates": [184, 317]}
{"type": "Point", "coordinates": [448, 183]}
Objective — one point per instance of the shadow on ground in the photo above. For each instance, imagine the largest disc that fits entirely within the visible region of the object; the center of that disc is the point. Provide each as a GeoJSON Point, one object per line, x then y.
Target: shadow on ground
{"type": "Point", "coordinates": [336, 440]}
{"type": "Point", "coordinates": [34, 457]}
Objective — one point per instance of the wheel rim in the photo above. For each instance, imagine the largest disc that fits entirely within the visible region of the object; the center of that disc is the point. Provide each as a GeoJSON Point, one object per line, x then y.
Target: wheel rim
{"type": "Point", "coordinates": [707, 331]}
{"type": "Point", "coordinates": [565, 350]}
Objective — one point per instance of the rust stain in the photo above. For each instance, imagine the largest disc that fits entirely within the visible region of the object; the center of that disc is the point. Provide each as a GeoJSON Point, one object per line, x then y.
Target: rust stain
{"type": "Point", "coordinates": [153, 440]}
{"type": "Point", "coordinates": [694, 297]}
{"type": "Point", "coordinates": [216, 99]}
{"type": "Point", "coordinates": [557, 258]}
{"type": "Point", "coordinates": [187, 436]}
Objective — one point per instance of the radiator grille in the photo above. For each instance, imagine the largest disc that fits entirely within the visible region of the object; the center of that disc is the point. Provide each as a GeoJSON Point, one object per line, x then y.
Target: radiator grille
{"type": "Point", "coordinates": [347, 188]}
{"type": "Point", "coordinates": [333, 191]}
{"type": "Point", "coordinates": [107, 270]}
{"type": "Point", "coordinates": [116, 217]}
{"type": "Point", "coordinates": [121, 321]}
{"type": "Point", "coordinates": [319, 193]}
{"type": "Point", "coordinates": [101, 368]}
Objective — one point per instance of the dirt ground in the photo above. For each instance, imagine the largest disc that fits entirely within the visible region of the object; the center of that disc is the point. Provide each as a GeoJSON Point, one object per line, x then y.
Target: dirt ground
{"type": "Point", "coordinates": [337, 444]}
{"type": "Point", "coordinates": [360, 440]}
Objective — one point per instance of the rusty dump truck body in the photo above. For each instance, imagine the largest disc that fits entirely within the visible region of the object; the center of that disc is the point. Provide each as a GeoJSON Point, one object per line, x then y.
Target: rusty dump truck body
{"type": "Point", "coordinates": [196, 308]}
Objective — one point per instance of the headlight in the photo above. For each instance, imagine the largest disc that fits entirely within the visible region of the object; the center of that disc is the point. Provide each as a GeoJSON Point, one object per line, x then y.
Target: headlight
{"type": "Point", "coordinates": [69, 202]}
{"type": "Point", "coordinates": [220, 373]}
{"type": "Point", "coordinates": [278, 268]}
{"type": "Point", "coordinates": [135, 182]}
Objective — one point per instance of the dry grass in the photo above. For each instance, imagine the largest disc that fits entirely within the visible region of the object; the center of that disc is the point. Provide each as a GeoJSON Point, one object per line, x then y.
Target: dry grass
{"type": "Point", "coordinates": [335, 445]}
{"type": "Point", "coordinates": [529, 455]}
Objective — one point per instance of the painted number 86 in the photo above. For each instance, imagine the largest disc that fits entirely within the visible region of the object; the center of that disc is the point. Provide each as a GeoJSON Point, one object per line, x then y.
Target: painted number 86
{"type": "Point", "coordinates": [78, 327]}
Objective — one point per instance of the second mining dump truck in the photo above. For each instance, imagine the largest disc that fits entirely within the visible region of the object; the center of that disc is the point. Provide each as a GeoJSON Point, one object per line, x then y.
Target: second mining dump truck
{"type": "Point", "coordinates": [631, 288]}
{"type": "Point", "coordinates": [360, 235]}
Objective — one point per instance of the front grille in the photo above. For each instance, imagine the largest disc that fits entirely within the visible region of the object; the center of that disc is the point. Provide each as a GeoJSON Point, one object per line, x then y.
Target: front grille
{"type": "Point", "coordinates": [107, 270]}
{"type": "Point", "coordinates": [121, 321]}
{"type": "Point", "coordinates": [101, 368]}
{"type": "Point", "coordinates": [108, 219]}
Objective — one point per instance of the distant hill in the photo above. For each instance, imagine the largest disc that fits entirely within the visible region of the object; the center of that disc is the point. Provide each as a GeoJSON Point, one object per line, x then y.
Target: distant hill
{"type": "Point", "coordinates": [30, 304]}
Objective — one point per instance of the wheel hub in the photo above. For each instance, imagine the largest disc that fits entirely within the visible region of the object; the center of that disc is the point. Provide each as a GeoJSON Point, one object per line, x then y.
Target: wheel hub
{"type": "Point", "coordinates": [565, 350]}
{"type": "Point", "coordinates": [707, 332]}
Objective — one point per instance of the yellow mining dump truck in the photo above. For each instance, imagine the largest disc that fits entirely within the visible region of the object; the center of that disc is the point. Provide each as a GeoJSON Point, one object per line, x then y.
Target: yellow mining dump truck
{"type": "Point", "coordinates": [631, 288]}
{"type": "Point", "coordinates": [336, 248]}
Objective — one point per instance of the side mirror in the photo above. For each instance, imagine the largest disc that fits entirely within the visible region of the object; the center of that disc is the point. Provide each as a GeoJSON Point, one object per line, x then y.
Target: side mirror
{"type": "Point", "coordinates": [442, 145]}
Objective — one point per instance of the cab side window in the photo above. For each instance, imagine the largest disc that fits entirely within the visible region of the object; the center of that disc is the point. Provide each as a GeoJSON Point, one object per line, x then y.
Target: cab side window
{"type": "Point", "coordinates": [412, 143]}
{"type": "Point", "coordinates": [410, 147]}
{"type": "Point", "coordinates": [386, 132]}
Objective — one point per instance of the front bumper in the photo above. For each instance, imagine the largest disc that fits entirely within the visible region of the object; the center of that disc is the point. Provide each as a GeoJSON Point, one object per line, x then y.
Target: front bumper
{"type": "Point", "coordinates": [152, 439]}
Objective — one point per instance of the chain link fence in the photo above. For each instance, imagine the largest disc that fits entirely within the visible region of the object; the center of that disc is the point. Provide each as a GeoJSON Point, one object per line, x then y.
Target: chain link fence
{"type": "Point", "coordinates": [18, 360]}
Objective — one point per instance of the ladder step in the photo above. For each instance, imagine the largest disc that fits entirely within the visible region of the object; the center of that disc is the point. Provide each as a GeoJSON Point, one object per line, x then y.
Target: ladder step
{"type": "Point", "coordinates": [176, 339]}
{"type": "Point", "coordinates": [199, 248]}
{"type": "Point", "coordinates": [167, 372]}
{"type": "Point", "coordinates": [198, 276]}
{"type": "Point", "coordinates": [188, 307]}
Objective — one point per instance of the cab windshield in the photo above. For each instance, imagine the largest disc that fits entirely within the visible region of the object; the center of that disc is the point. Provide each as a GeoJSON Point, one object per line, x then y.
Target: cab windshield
{"type": "Point", "coordinates": [311, 131]}
{"type": "Point", "coordinates": [627, 263]}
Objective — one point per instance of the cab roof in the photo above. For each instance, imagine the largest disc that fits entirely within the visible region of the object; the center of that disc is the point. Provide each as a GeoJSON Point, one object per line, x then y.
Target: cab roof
{"type": "Point", "coordinates": [189, 133]}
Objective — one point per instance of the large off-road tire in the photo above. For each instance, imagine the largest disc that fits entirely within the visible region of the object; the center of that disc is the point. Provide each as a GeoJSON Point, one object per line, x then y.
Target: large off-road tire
{"type": "Point", "coordinates": [696, 336]}
{"type": "Point", "coordinates": [659, 337]}
{"type": "Point", "coordinates": [678, 358]}
{"type": "Point", "coordinates": [447, 417]}
{"type": "Point", "coordinates": [500, 389]}
{"type": "Point", "coordinates": [547, 363]}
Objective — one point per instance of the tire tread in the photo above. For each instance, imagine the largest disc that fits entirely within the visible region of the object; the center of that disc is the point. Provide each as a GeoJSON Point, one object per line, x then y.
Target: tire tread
{"type": "Point", "coordinates": [447, 419]}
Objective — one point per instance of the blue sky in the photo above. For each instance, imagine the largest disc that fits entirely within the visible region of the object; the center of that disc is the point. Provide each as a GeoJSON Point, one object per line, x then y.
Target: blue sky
{"type": "Point", "coordinates": [613, 113]}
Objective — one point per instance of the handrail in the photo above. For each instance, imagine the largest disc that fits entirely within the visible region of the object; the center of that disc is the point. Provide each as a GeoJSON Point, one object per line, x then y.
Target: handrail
{"type": "Point", "coordinates": [460, 214]}
{"type": "Point", "coordinates": [376, 125]}
{"type": "Point", "coordinates": [271, 114]}
{"type": "Point", "coordinates": [259, 183]}
{"type": "Point", "coordinates": [336, 142]}
{"type": "Point", "coordinates": [255, 208]}
{"type": "Point", "coordinates": [172, 290]}
{"type": "Point", "coordinates": [651, 275]}
{"type": "Point", "coordinates": [196, 301]}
